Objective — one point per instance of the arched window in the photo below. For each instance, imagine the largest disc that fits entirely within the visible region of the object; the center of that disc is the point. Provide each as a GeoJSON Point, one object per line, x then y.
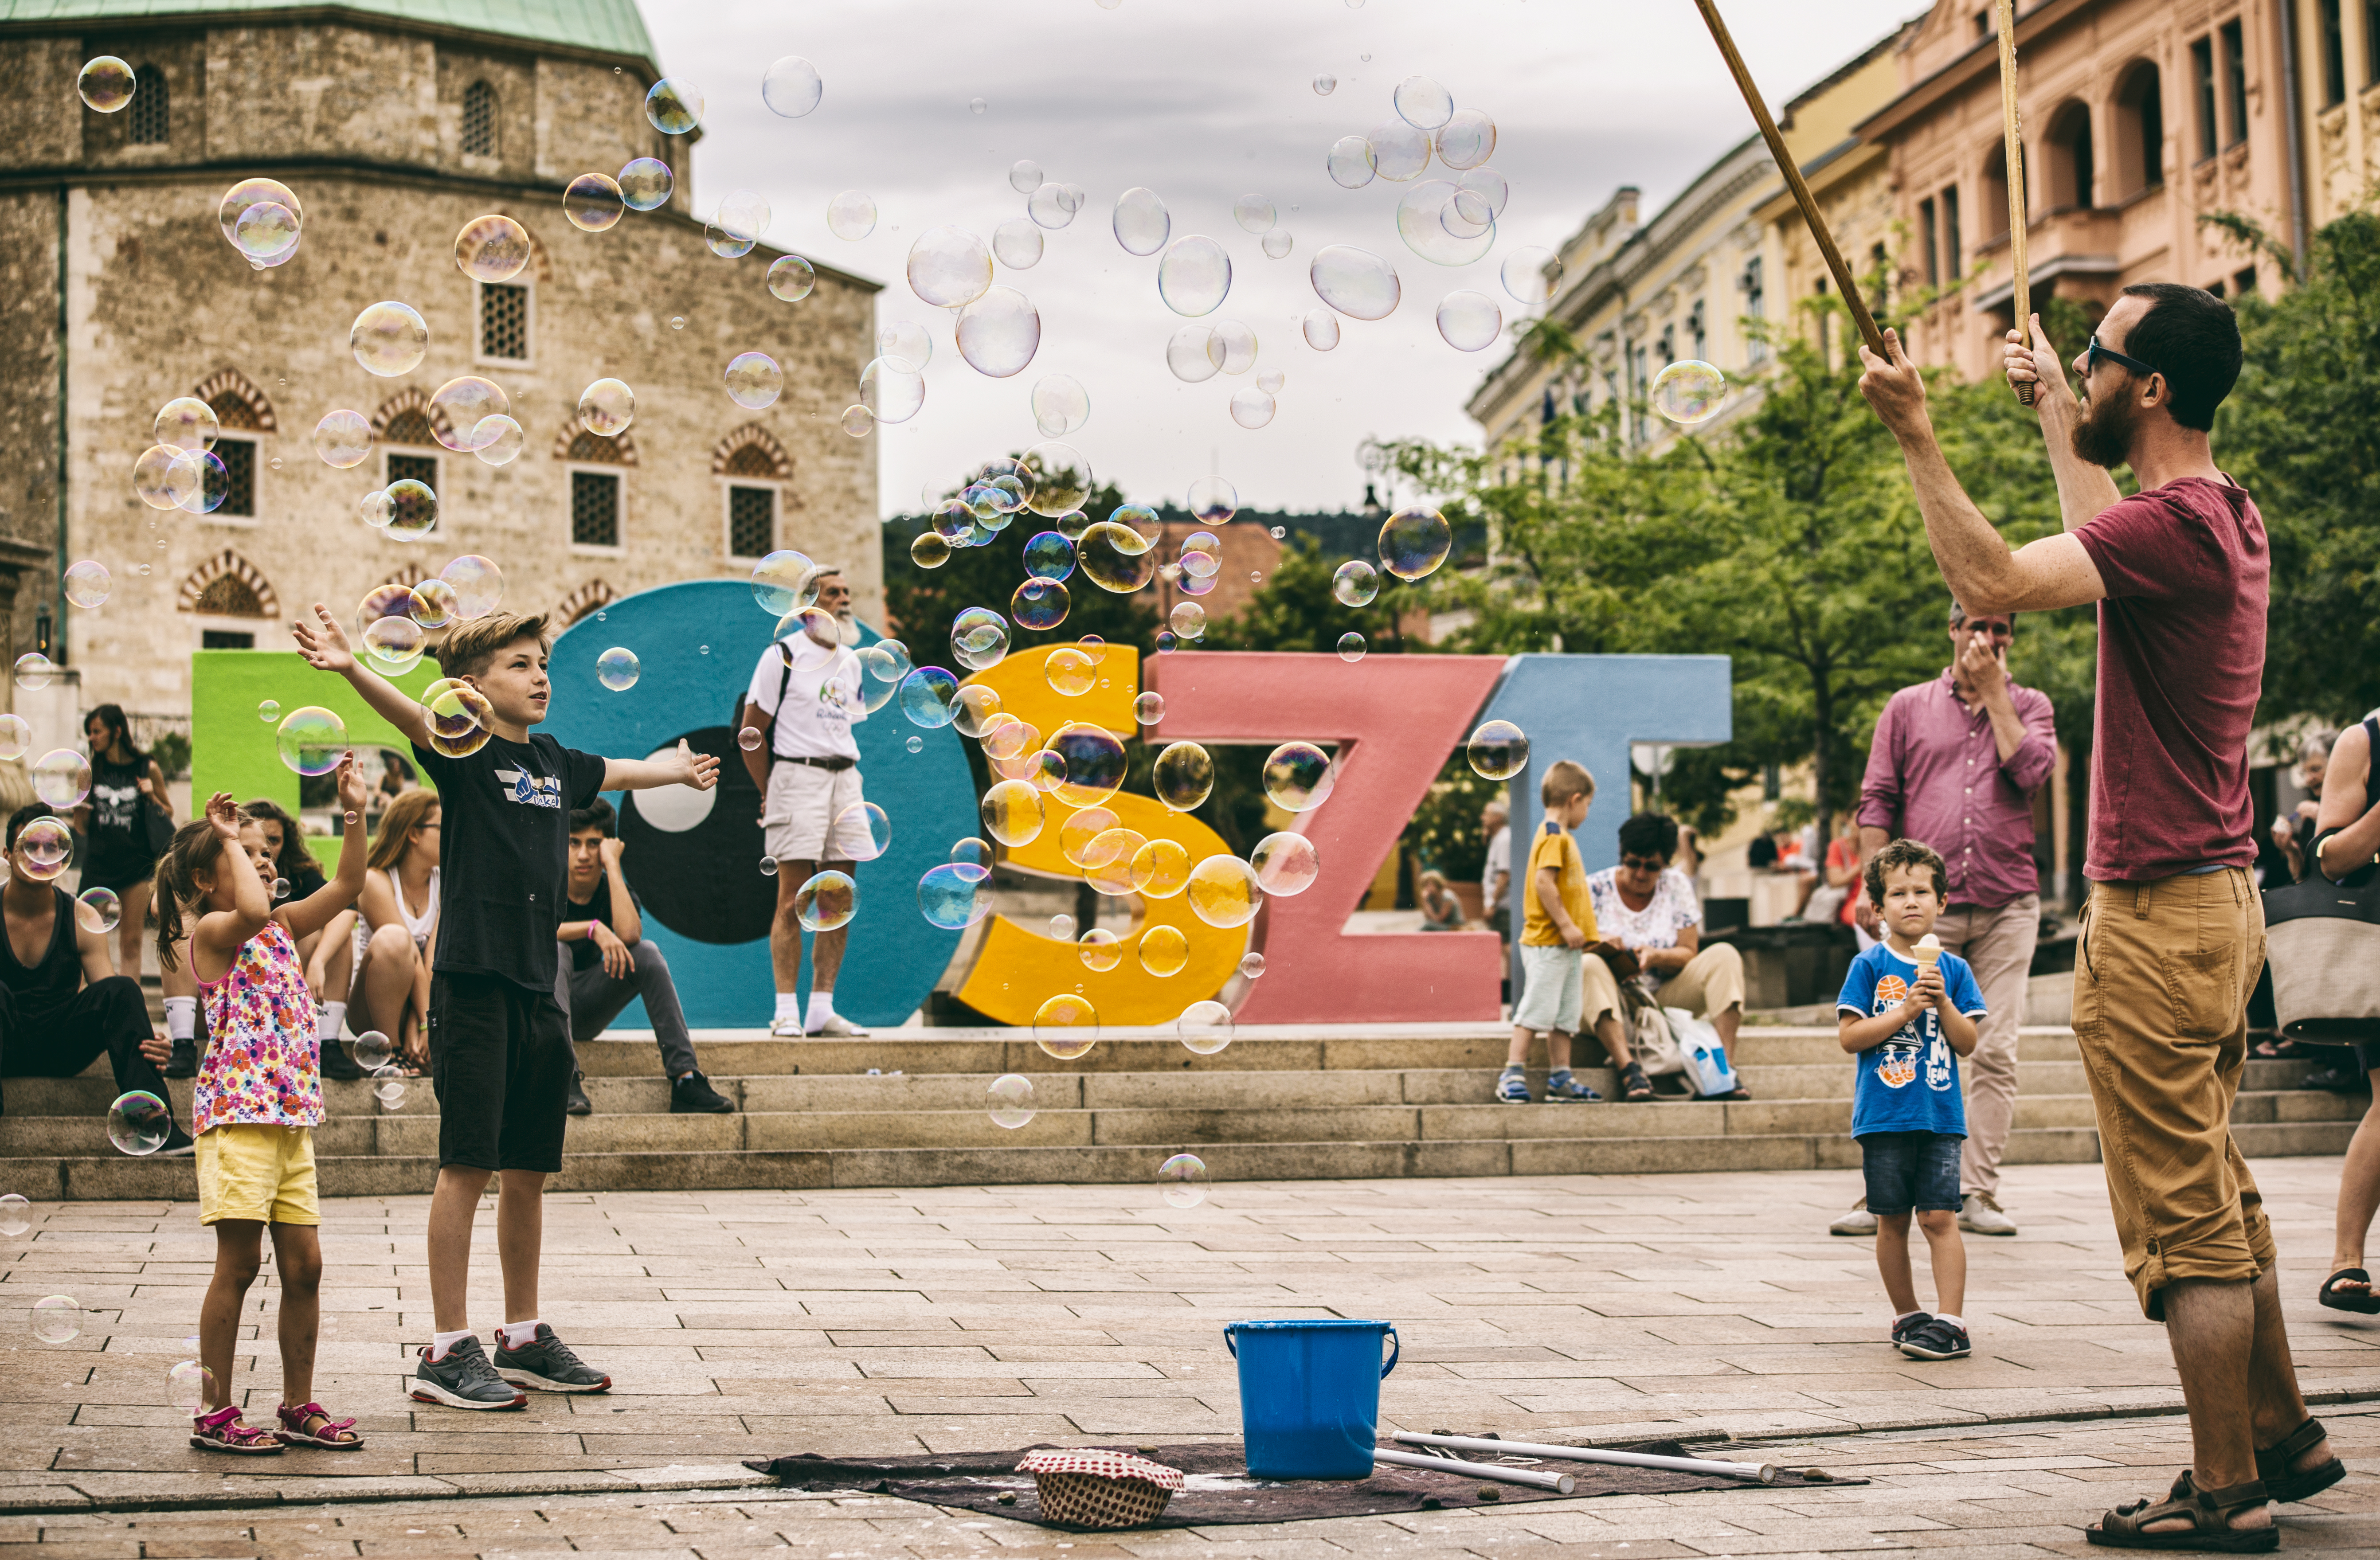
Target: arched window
{"type": "Point", "coordinates": [2140, 130]}
{"type": "Point", "coordinates": [1994, 189]}
{"type": "Point", "coordinates": [149, 116]}
{"type": "Point", "coordinates": [480, 120]}
{"type": "Point", "coordinates": [2070, 171]}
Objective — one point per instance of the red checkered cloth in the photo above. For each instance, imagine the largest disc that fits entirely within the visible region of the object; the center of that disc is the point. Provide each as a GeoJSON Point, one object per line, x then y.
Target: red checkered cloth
{"type": "Point", "coordinates": [1100, 1489]}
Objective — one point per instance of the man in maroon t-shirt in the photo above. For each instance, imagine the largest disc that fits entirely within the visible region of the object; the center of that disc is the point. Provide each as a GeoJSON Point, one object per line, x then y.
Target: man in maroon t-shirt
{"type": "Point", "coordinates": [2173, 936]}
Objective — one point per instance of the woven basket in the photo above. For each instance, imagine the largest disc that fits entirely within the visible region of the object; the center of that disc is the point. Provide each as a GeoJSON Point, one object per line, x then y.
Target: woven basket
{"type": "Point", "coordinates": [1095, 1489]}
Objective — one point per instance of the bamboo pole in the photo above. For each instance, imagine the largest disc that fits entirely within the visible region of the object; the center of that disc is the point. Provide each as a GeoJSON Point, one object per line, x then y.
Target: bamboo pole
{"type": "Point", "coordinates": [1844, 282]}
{"type": "Point", "coordinates": [2012, 131]}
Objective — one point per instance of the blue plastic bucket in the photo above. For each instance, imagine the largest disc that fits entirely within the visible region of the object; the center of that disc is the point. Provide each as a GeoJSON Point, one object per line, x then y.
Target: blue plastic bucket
{"type": "Point", "coordinates": [1310, 1394]}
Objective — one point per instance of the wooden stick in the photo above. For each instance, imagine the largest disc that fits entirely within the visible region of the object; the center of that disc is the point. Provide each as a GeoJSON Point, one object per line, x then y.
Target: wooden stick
{"type": "Point", "coordinates": [1844, 283]}
{"type": "Point", "coordinates": [2012, 130]}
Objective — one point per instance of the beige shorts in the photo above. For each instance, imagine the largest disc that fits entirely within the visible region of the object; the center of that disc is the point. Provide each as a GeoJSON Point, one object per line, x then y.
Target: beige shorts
{"type": "Point", "coordinates": [804, 803]}
{"type": "Point", "coordinates": [256, 1172]}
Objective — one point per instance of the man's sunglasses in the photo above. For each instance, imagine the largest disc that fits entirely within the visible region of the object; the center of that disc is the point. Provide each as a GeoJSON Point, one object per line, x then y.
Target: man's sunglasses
{"type": "Point", "coordinates": [2091, 354]}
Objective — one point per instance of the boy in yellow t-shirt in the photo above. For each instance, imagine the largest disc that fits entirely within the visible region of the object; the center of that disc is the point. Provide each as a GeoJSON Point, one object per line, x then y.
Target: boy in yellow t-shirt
{"type": "Point", "coordinates": [1557, 922]}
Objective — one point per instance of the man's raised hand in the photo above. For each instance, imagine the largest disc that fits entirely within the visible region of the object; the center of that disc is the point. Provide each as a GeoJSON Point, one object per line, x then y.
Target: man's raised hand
{"type": "Point", "coordinates": [322, 642]}
{"type": "Point", "coordinates": [1894, 387]}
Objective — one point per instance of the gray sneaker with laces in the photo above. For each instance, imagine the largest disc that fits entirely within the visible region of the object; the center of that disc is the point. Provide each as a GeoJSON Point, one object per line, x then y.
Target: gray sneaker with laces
{"type": "Point", "coordinates": [1980, 1214]}
{"type": "Point", "coordinates": [464, 1379]}
{"type": "Point", "coordinates": [546, 1363]}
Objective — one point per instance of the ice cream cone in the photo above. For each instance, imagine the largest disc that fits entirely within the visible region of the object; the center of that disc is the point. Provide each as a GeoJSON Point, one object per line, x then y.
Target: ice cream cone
{"type": "Point", "coordinates": [1928, 949]}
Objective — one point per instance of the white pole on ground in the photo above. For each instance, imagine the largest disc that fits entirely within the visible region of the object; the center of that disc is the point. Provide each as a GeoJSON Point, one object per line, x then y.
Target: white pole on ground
{"type": "Point", "coordinates": [1764, 1473]}
{"type": "Point", "coordinates": [1560, 1483]}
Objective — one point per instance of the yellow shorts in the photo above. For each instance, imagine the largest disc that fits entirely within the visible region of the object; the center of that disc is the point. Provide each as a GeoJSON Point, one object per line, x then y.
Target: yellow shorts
{"type": "Point", "coordinates": [254, 1172]}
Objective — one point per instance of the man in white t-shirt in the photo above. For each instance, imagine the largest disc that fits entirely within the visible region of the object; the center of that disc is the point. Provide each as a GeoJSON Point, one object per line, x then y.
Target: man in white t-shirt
{"type": "Point", "coordinates": [1496, 872]}
{"type": "Point", "coordinates": [805, 695]}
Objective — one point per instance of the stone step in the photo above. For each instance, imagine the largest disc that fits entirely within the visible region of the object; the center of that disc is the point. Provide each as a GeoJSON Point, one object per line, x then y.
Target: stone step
{"type": "Point", "coordinates": [122, 1178]}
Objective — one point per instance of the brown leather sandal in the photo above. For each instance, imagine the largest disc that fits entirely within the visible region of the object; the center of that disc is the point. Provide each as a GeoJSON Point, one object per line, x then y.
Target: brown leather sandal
{"type": "Point", "coordinates": [2277, 1464]}
{"type": "Point", "coordinates": [2207, 1511]}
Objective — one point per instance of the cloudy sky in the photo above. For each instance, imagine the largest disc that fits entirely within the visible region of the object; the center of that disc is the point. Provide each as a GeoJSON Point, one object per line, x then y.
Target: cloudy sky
{"type": "Point", "coordinates": [1204, 103]}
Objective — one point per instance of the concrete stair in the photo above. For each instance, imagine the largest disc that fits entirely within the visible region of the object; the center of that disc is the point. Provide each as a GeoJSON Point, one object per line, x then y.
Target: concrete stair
{"type": "Point", "coordinates": [1306, 1102]}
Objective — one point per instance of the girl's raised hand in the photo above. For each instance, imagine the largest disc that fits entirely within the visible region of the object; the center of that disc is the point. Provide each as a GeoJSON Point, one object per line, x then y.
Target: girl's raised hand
{"type": "Point", "coordinates": [225, 815]}
{"type": "Point", "coordinates": [352, 795]}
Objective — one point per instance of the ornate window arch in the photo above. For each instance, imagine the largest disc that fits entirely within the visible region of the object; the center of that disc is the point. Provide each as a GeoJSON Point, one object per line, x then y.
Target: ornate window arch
{"type": "Point", "coordinates": [752, 450]}
{"type": "Point", "coordinates": [229, 586]}
{"type": "Point", "coordinates": [410, 418]}
{"type": "Point", "coordinates": [238, 402]}
{"type": "Point", "coordinates": [588, 598]}
{"type": "Point", "coordinates": [575, 443]}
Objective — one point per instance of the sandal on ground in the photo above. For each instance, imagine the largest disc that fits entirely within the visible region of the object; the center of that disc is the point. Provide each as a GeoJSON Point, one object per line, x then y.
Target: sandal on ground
{"type": "Point", "coordinates": [222, 1431]}
{"type": "Point", "coordinates": [2284, 1481]}
{"type": "Point", "coordinates": [2207, 1511]}
{"type": "Point", "coordinates": [1634, 1085]}
{"type": "Point", "coordinates": [309, 1425]}
{"type": "Point", "coordinates": [2366, 1303]}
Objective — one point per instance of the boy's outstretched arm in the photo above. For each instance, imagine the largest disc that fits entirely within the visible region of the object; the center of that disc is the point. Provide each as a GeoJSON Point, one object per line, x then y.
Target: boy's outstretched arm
{"type": "Point", "coordinates": [324, 644]}
{"type": "Point", "coordinates": [685, 766]}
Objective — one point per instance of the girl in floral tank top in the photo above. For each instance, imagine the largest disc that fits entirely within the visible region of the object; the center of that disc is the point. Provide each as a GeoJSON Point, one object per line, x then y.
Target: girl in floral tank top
{"type": "Point", "coordinates": [258, 1096]}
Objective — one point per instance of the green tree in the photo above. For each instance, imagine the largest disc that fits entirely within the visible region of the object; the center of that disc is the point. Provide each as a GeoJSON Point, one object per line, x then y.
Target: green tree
{"type": "Point", "coordinates": [922, 601]}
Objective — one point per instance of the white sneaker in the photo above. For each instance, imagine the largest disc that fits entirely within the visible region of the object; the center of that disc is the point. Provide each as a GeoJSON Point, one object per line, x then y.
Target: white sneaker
{"type": "Point", "coordinates": [1859, 1221]}
{"type": "Point", "coordinates": [785, 1029]}
{"type": "Point", "coordinates": [1980, 1214]}
{"type": "Point", "coordinates": [837, 1027]}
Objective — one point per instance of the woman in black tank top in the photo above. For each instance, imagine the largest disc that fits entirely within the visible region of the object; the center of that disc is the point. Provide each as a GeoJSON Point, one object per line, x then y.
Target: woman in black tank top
{"type": "Point", "coordinates": [127, 789]}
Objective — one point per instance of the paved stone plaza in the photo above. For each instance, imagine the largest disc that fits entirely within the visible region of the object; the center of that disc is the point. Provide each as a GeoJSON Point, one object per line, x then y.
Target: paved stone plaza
{"type": "Point", "coordinates": [750, 1323]}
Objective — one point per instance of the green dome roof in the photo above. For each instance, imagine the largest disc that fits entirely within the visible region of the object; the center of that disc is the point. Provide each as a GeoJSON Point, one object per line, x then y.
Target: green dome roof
{"type": "Point", "coordinates": [609, 27]}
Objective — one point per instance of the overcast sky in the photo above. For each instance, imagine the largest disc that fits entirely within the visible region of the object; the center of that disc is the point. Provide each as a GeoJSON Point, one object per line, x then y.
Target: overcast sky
{"type": "Point", "coordinates": [1203, 102]}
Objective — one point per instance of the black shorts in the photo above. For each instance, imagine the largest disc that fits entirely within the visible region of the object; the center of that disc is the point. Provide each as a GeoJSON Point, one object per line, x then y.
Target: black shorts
{"type": "Point", "coordinates": [500, 1062]}
{"type": "Point", "coordinates": [118, 876]}
{"type": "Point", "coordinates": [1906, 1170]}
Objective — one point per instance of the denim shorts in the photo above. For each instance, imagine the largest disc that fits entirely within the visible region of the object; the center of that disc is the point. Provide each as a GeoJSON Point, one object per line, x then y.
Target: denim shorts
{"type": "Point", "coordinates": [1908, 1170]}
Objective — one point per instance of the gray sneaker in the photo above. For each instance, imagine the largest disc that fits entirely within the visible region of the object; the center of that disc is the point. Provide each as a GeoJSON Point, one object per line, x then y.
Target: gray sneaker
{"type": "Point", "coordinates": [546, 1363]}
{"type": "Point", "coordinates": [1859, 1221]}
{"type": "Point", "coordinates": [1979, 1214]}
{"type": "Point", "coordinates": [464, 1379]}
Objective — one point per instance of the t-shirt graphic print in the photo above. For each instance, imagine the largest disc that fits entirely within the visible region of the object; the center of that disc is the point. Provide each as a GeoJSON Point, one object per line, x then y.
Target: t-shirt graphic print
{"type": "Point", "coordinates": [1910, 1083]}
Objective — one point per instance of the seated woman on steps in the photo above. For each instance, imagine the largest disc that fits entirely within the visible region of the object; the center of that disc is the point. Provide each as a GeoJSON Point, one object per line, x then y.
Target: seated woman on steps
{"type": "Point", "coordinates": [1651, 924]}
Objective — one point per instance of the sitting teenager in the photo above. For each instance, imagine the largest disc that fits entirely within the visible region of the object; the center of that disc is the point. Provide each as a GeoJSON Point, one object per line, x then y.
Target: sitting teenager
{"type": "Point", "coordinates": [1440, 911]}
{"type": "Point", "coordinates": [373, 966]}
{"type": "Point", "coordinates": [1650, 924]}
{"type": "Point", "coordinates": [61, 1002]}
{"type": "Point", "coordinates": [606, 965]}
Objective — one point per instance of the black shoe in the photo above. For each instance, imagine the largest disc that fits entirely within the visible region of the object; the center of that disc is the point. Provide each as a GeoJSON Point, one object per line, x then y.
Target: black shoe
{"type": "Point", "coordinates": [337, 1063]}
{"type": "Point", "coordinates": [184, 1062]}
{"type": "Point", "coordinates": [547, 1364]}
{"type": "Point", "coordinates": [693, 1095]}
{"type": "Point", "coordinates": [578, 1106]}
{"type": "Point", "coordinates": [1938, 1339]}
{"type": "Point", "coordinates": [180, 1145]}
{"type": "Point", "coordinates": [1907, 1326]}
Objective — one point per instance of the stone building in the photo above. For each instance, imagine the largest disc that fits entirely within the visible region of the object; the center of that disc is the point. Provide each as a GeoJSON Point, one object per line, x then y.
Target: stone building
{"type": "Point", "coordinates": [119, 292]}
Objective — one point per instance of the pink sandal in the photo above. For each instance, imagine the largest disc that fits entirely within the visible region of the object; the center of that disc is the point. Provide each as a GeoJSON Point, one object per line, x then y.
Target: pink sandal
{"type": "Point", "coordinates": [222, 1431]}
{"type": "Point", "coordinates": [336, 1435]}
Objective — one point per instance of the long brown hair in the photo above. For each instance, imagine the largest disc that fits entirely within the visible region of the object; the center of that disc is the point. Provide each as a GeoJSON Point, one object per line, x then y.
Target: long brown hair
{"type": "Point", "coordinates": [196, 848]}
{"type": "Point", "coordinates": [396, 826]}
{"type": "Point", "coordinates": [265, 809]}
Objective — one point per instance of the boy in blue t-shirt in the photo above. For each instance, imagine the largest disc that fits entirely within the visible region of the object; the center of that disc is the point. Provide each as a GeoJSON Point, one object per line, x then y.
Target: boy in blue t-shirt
{"type": "Point", "coordinates": [1908, 1012]}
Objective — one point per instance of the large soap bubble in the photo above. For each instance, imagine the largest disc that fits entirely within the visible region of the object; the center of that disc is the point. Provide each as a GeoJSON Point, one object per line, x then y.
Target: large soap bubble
{"type": "Point", "coordinates": [138, 1122]}
{"type": "Point", "coordinates": [1349, 162]}
{"type": "Point", "coordinates": [1532, 274]}
{"type": "Point", "coordinates": [491, 248]}
{"type": "Point", "coordinates": [674, 106]}
{"type": "Point", "coordinates": [929, 696]}
{"type": "Point", "coordinates": [1142, 222]}
{"type": "Point", "coordinates": [1184, 776]}
{"type": "Point", "coordinates": [1285, 863]}
{"type": "Point", "coordinates": [47, 845]}
{"type": "Point", "coordinates": [754, 381]}
{"type": "Point", "coordinates": [593, 202]}
{"type": "Point", "coordinates": [1116, 557]}
{"type": "Point", "coordinates": [1194, 277]}
{"type": "Point", "coordinates": [791, 87]}
{"type": "Point", "coordinates": [827, 901]}
{"type": "Point", "coordinates": [645, 184]}
{"type": "Point", "coordinates": [1497, 750]}
{"type": "Point", "coordinates": [1354, 281]}
{"type": "Point", "coordinates": [1012, 812]}
{"type": "Point", "coordinates": [1297, 777]}
{"type": "Point", "coordinates": [999, 332]}
{"type": "Point", "coordinates": [1011, 1096]}
{"type": "Point", "coordinates": [1469, 321]}
{"type": "Point", "coordinates": [892, 389]}
{"type": "Point", "coordinates": [954, 895]}
{"type": "Point", "coordinates": [1415, 542]}
{"type": "Point", "coordinates": [107, 84]}
{"type": "Point", "coordinates": [1688, 391]}
{"type": "Point", "coordinates": [948, 267]}
{"type": "Point", "coordinates": [1066, 1026]}
{"type": "Point", "coordinates": [389, 339]}
{"type": "Point", "coordinates": [1222, 892]}
{"type": "Point", "coordinates": [312, 740]}
{"type": "Point", "coordinates": [1399, 152]}
{"type": "Point", "coordinates": [1059, 405]}
{"type": "Point", "coordinates": [1465, 140]}
{"type": "Point", "coordinates": [1095, 764]}
{"type": "Point", "coordinates": [1061, 475]}
{"type": "Point", "coordinates": [458, 406]}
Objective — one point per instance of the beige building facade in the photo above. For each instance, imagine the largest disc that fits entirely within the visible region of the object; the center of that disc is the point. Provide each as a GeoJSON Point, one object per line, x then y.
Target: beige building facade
{"type": "Point", "coordinates": [122, 294]}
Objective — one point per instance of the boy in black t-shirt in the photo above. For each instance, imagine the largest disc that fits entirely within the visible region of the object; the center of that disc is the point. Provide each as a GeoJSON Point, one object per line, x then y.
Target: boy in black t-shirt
{"type": "Point", "coordinates": [500, 1054]}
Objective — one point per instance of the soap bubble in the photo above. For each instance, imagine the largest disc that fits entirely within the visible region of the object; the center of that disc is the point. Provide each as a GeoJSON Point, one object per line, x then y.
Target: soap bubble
{"type": "Point", "coordinates": [106, 83]}
{"type": "Point", "coordinates": [62, 777]}
{"type": "Point", "coordinates": [1236, 345]}
{"type": "Point", "coordinates": [1167, 640]}
{"type": "Point", "coordinates": [265, 230]}
{"type": "Point", "coordinates": [929, 696]}
{"type": "Point", "coordinates": [388, 1086]}
{"type": "Point", "coordinates": [1038, 604]}
{"type": "Point", "coordinates": [929, 551]}
{"type": "Point", "coordinates": [1325, 84]}
{"type": "Point", "coordinates": [343, 439]}
{"type": "Point", "coordinates": [1297, 777]}
{"type": "Point", "coordinates": [371, 1051]}
{"type": "Point", "coordinates": [999, 332]}
{"type": "Point", "coordinates": [1688, 391]}
{"type": "Point", "coordinates": [165, 477]}
{"type": "Point", "coordinates": [491, 248]}
{"type": "Point", "coordinates": [862, 833]}
{"type": "Point", "coordinates": [1467, 140]}
{"type": "Point", "coordinates": [1099, 950]}
{"type": "Point", "coordinates": [17, 733]}
{"type": "Point", "coordinates": [791, 87]}
{"type": "Point", "coordinates": [826, 901]}
{"type": "Point", "coordinates": [412, 509]}
{"type": "Point", "coordinates": [1278, 243]}
{"type": "Point", "coordinates": [1498, 751]}
{"type": "Point", "coordinates": [389, 339]}
{"type": "Point", "coordinates": [1080, 831]}
{"type": "Point", "coordinates": [906, 339]}
{"type": "Point", "coordinates": [478, 586]}
{"type": "Point", "coordinates": [1355, 583]}
{"type": "Point", "coordinates": [851, 215]}
{"type": "Point", "coordinates": [98, 910]}
{"type": "Point", "coordinates": [1469, 321]}
{"type": "Point", "coordinates": [645, 184]}
{"type": "Point", "coordinates": [977, 105]}
{"type": "Point", "coordinates": [1321, 328]}
{"type": "Point", "coordinates": [498, 439]}
{"type": "Point", "coordinates": [209, 482]}
{"type": "Point", "coordinates": [188, 1386]}
{"type": "Point", "coordinates": [1182, 1180]}
{"type": "Point", "coordinates": [1351, 648]}
{"type": "Point", "coordinates": [978, 640]}
{"type": "Point", "coordinates": [1195, 275]}
{"type": "Point", "coordinates": [1223, 892]}
{"type": "Point", "coordinates": [34, 669]}
{"type": "Point", "coordinates": [1212, 500]}
{"type": "Point", "coordinates": [1432, 220]}
{"type": "Point", "coordinates": [1423, 102]}
{"type": "Point", "coordinates": [47, 844]}
{"type": "Point", "coordinates": [1532, 274]}
{"type": "Point", "coordinates": [312, 740]}
{"type": "Point", "coordinates": [1012, 812]}
{"type": "Point", "coordinates": [1188, 620]}
{"type": "Point", "coordinates": [617, 668]}
{"type": "Point", "coordinates": [138, 1122]}
{"type": "Point", "coordinates": [1194, 354]}
{"type": "Point", "coordinates": [948, 267]}
{"type": "Point", "coordinates": [1349, 162]}
{"type": "Point", "coordinates": [86, 583]}
{"type": "Point", "coordinates": [1008, 742]}
{"type": "Point", "coordinates": [1354, 281]}
{"type": "Point", "coordinates": [56, 1318]}
{"type": "Point", "coordinates": [1204, 1027]}
{"type": "Point", "coordinates": [971, 851]}
{"type": "Point", "coordinates": [1066, 1026]}
{"type": "Point", "coordinates": [395, 642]}
{"type": "Point", "coordinates": [459, 717]}
{"type": "Point", "coordinates": [1048, 556]}
{"type": "Point", "coordinates": [593, 202]}
{"type": "Point", "coordinates": [186, 423]}
{"type": "Point", "coordinates": [1415, 542]}
{"type": "Point", "coordinates": [673, 106]}
{"type": "Point", "coordinates": [1059, 405]}
{"type": "Point", "coordinates": [606, 408]}
{"type": "Point", "coordinates": [769, 863]}
{"type": "Point", "coordinates": [791, 278]}
{"type": "Point", "coordinates": [1115, 557]}
{"type": "Point", "coordinates": [954, 895]}
{"type": "Point", "coordinates": [1163, 950]}
{"type": "Point", "coordinates": [892, 389]}
{"type": "Point", "coordinates": [1095, 764]}
{"type": "Point", "coordinates": [1017, 244]}
{"type": "Point", "coordinates": [1069, 672]}
{"type": "Point", "coordinates": [1399, 151]}
{"type": "Point", "coordinates": [1142, 222]}
{"type": "Point", "coordinates": [251, 192]}
{"type": "Point", "coordinates": [1252, 408]}
{"type": "Point", "coordinates": [1285, 863]}
{"type": "Point", "coordinates": [1184, 776]}
{"type": "Point", "coordinates": [15, 1215]}
{"type": "Point", "coordinates": [1255, 213]}
{"type": "Point", "coordinates": [858, 421]}
{"type": "Point", "coordinates": [754, 381]}
{"type": "Point", "coordinates": [1012, 1100]}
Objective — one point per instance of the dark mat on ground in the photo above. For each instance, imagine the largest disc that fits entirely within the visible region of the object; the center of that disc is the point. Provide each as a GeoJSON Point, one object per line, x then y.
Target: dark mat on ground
{"type": "Point", "coordinates": [1218, 1489]}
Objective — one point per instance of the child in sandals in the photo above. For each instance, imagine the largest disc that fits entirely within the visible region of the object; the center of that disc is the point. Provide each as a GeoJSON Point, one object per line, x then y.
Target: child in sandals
{"type": "Point", "coordinates": [258, 1096]}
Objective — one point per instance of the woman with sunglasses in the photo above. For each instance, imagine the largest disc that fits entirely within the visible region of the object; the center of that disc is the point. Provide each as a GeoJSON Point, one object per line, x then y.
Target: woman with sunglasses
{"type": "Point", "coordinates": [1652, 927]}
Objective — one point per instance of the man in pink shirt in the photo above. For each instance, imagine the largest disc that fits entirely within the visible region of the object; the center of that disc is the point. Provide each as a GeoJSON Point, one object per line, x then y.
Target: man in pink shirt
{"type": "Point", "coordinates": [2173, 935]}
{"type": "Point", "coordinates": [1954, 764]}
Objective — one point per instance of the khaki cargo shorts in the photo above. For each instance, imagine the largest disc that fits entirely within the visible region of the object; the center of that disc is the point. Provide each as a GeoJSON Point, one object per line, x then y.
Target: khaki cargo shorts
{"type": "Point", "coordinates": [2161, 982]}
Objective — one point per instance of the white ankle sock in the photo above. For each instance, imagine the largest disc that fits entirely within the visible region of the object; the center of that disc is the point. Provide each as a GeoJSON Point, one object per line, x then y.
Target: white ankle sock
{"type": "Point", "coordinates": [512, 1335]}
{"type": "Point", "coordinates": [789, 1006]}
{"type": "Point", "coordinates": [1958, 1322]}
{"type": "Point", "coordinates": [821, 1007]}
{"type": "Point", "coordinates": [443, 1344]}
{"type": "Point", "coordinates": [1905, 1316]}
{"type": "Point", "coordinates": [334, 1019]}
{"type": "Point", "coordinates": [182, 1018]}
